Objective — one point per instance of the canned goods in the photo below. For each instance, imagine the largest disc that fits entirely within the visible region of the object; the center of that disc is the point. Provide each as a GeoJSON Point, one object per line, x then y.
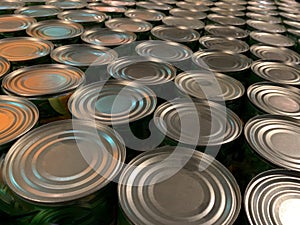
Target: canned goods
{"type": "Point", "coordinates": [180, 187]}
{"type": "Point", "coordinates": [226, 31]}
{"type": "Point", "coordinates": [265, 26]}
{"type": "Point", "coordinates": [262, 9]}
{"type": "Point", "coordinates": [289, 9]}
{"type": "Point", "coordinates": [18, 116]}
{"type": "Point", "coordinates": [293, 34]}
{"type": "Point", "coordinates": [111, 11]}
{"type": "Point", "coordinates": [263, 17]}
{"type": "Point", "coordinates": [277, 40]}
{"type": "Point", "coordinates": [236, 2]}
{"type": "Point", "coordinates": [67, 4]}
{"type": "Point", "coordinates": [189, 5]}
{"type": "Point", "coordinates": [61, 180]}
{"type": "Point", "coordinates": [154, 5]}
{"type": "Point", "coordinates": [8, 6]}
{"type": "Point", "coordinates": [170, 2]}
{"type": "Point", "coordinates": [108, 37]}
{"type": "Point", "coordinates": [4, 67]}
{"type": "Point", "coordinates": [226, 20]}
{"type": "Point", "coordinates": [40, 12]}
{"type": "Point", "coordinates": [290, 16]}
{"type": "Point", "coordinates": [230, 6]}
{"type": "Point", "coordinates": [152, 16]}
{"type": "Point", "coordinates": [223, 44]}
{"type": "Point", "coordinates": [193, 13]}
{"type": "Point", "coordinates": [291, 24]}
{"type": "Point", "coordinates": [226, 12]}
{"type": "Point", "coordinates": [48, 86]}
{"type": "Point", "coordinates": [127, 3]}
{"type": "Point", "coordinates": [34, 2]}
{"type": "Point", "coordinates": [201, 2]}
{"type": "Point", "coordinates": [187, 22]}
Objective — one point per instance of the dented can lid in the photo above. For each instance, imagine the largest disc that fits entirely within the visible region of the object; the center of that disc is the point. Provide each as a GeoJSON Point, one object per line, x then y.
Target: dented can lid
{"type": "Point", "coordinates": [82, 16]}
{"type": "Point", "coordinates": [226, 20]}
{"type": "Point", "coordinates": [193, 13]}
{"type": "Point", "coordinates": [67, 4]}
{"type": "Point", "coordinates": [145, 14]}
{"type": "Point", "coordinates": [127, 24]}
{"type": "Point", "coordinates": [38, 11]}
{"type": "Point", "coordinates": [266, 26]}
{"type": "Point", "coordinates": [13, 22]}
{"type": "Point", "coordinates": [4, 66]}
{"type": "Point", "coordinates": [278, 40]}
{"type": "Point", "coordinates": [11, 4]}
{"type": "Point", "coordinates": [48, 164]}
{"type": "Point", "coordinates": [226, 31]}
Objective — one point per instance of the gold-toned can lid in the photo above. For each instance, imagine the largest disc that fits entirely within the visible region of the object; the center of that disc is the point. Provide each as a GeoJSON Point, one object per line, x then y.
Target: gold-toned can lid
{"type": "Point", "coordinates": [13, 23]}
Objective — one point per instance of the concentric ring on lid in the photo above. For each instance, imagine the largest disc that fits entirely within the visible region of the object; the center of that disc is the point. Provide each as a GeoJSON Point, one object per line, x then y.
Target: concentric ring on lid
{"type": "Point", "coordinates": [18, 116]}
{"type": "Point", "coordinates": [43, 80]}
{"type": "Point", "coordinates": [164, 50]}
{"type": "Point", "coordinates": [82, 15]}
{"type": "Point", "coordinates": [39, 11]}
{"type": "Point", "coordinates": [265, 26]}
{"type": "Point", "coordinates": [55, 30]}
{"type": "Point", "coordinates": [262, 17]}
{"type": "Point", "coordinates": [145, 14]}
{"type": "Point", "coordinates": [276, 139]}
{"type": "Point", "coordinates": [188, 22]}
{"type": "Point", "coordinates": [127, 24]}
{"type": "Point", "coordinates": [226, 20]}
{"type": "Point", "coordinates": [188, 13]}
{"type": "Point", "coordinates": [4, 66]}
{"type": "Point", "coordinates": [84, 55]}
{"type": "Point", "coordinates": [24, 48]}
{"type": "Point", "coordinates": [63, 161]}
{"type": "Point", "coordinates": [189, 5]}
{"type": "Point", "coordinates": [154, 5]}
{"type": "Point", "coordinates": [278, 40]}
{"type": "Point", "coordinates": [165, 186]}
{"type": "Point", "coordinates": [226, 31]}
{"type": "Point", "coordinates": [144, 70]}
{"type": "Point", "coordinates": [67, 4]}
{"type": "Point", "coordinates": [13, 23]}
{"type": "Point", "coordinates": [112, 102]}
{"type": "Point", "coordinates": [11, 4]}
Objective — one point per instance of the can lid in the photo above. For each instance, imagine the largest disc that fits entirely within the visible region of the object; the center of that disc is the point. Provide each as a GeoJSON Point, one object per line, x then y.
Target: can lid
{"type": "Point", "coordinates": [11, 4]}
{"type": "Point", "coordinates": [55, 30]}
{"type": "Point", "coordinates": [275, 53]}
{"type": "Point", "coordinates": [290, 16]}
{"type": "Point", "coordinates": [67, 4]}
{"type": "Point", "coordinates": [277, 71]}
{"type": "Point", "coordinates": [13, 22]}
{"type": "Point", "coordinates": [24, 48]}
{"type": "Point", "coordinates": [226, 20]}
{"type": "Point", "coordinates": [48, 164]}
{"type": "Point", "coordinates": [32, 1]}
{"type": "Point", "coordinates": [106, 8]}
{"type": "Point", "coordinates": [263, 17]}
{"type": "Point", "coordinates": [206, 85]}
{"type": "Point", "coordinates": [278, 40]}
{"type": "Point", "coordinates": [294, 24]}
{"type": "Point", "coordinates": [82, 16]}
{"type": "Point", "coordinates": [145, 14]}
{"type": "Point", "coordinates": [275, 138]}
{"type": "Point", "coordinates": [224, 43]}
{"type": "Point", "coordinates": [221, 61]}
{"type": "Point", "coordinates": [217, 125]}
{"type": "Point", "coordinates": [39, 11]}
{"type": "Point", "coordinates": [171, 2]}
{"type": "Point", "coordinates": [188, 22]}
{"type": "Point", "coordinates": [236, 2]}
{"type": "Point", "coordinates": [128, 24]}
{"type": "Point", "coordinates": [164, 50]}
{"type": "Point", "coordinates": [230, 6]}
{"type": "Point", "coordinates": [226, 31]}
{"type": "Point", "coordinates": [188, 13]}
{"type": "Point", "coordinates": [189, 5]}
{"type": "Point", "coordinates": [144, 70]}
{"type": "Point", "coordinates": [261, 2]}
{"type": "Point", "coordinates": [165, 186]}
{"type": "Point", "coordinates": [266, 26]}
{"type": "Point", "coordinates": [227, 12]}
{"type": "Point", "coordinates": [294, 32]}
{"type": "Point", "coordinates": [176, 34]}
{"type": "Point", "coordinates": [290, 9]}
{"type": "Point", "coordinates": [201, 2]}
{"type": "Point", "coordinates": [128, 3]}
{"type": "Point", "coordinates": [43, 80]}
{"type": "Point", "coordinates": [18, 116]}
{"type": "Point", "coordinates": [113, 102]}
{"type": "Point", "coordinates": [262, 8]}
{"type": "Point", "coordinates": [4, 66]}
{"type": "Point", "coordinates": [108, 37]}
{"type": "Point", "coordinates": [84, 55]}
{"type": "Point", "coordinates": [273, 197]}
{"type": "Point", "coordinates": [154, 5]}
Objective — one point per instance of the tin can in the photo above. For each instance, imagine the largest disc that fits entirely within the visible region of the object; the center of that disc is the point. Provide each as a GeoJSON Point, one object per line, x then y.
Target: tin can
{"type": "Point", "coordinates": [8, 6]}
{"type": "Point", "coordinates": [39, 12]}
{"type": "Point", "coordinates": [230, 6]}
{"type": "Point", "coordinates": [152, 16]}
{"type": "Point", "coordinates": [64, 183]}
{"type": "Point", "coordinates": [201, 2]}
{"type": "Point", "coordinates": [177, 187]}
{"type": "Point", "coordinates": [154, 5]}
{"type": "Point", "coordinates": [225, 12]}
{"type": "Point", "coordinates": [291, 24]}
{"type": "Point", "coordinates": [108, 37]}
{"type": "Point", "coordinates": [24, 51]}
{"type": "Point", "coordinates": [193, 13]}
{"type": "Point", "coordinates": [67, 4]}
{"type": "Point", "coordinates": [226, 31]}
{"type": "Point", "coordinates": [59, 32]}
{"type": "Point", "coordinates": [262, 9]}
{"type": "Point", "coordinates": [265, 26]}
{"type": "Point", "coordinates": [34, 2]}
{"type": "Point", "coordinates": [18, 116]}
{"type": "Point", "coordinates": [272, 197]}
{"type": "Point", "coordinates": [126, 3]}
{"type": "Point", "coordinates": [293, 34]}
{"type": "Point", "coordinates": [289, 16]}
{"type": "Point", "coordinates": [237, 2]}
{"type": "Point", "coordinates": [190, 5]}
{"type": "Point", "coordinates": [169, 2]}
{"type": "Point", "coordinates": [48, 86]}
{"type": "Point", "coordinates": [263, 17]}
{"type": "Point", "coordinates": [4, 67]}
{"type": "Point", "coordinates": [289, 9]}
{"type": "Point", "coordinates": [110, 11]}
{"type": "Point", "coordinates": [277, 40]}
{"type": "Point", "coordinates": [226, 20]}
{"type": "Point", "coordinates": [187, 22]}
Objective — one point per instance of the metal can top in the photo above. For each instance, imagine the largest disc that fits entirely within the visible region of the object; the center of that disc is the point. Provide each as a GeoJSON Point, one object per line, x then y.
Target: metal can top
{"type": "Point", "coordinates": [154, 5]}
{"type": "Point", "coordinates": [227, 12]}
{"type": "Point", "coordinates": [221, 61]}
{"type": "Point", "coordinates": [230, 6]}
{"type": "Point", "coordinates": [261, 2]}
{"type": "Point", "coordinates": [106, 8]}
{"type": "Point", "coordinates": [4, 66]}
{"type": "Point", "coordinates": [108, 37]}
{"type": "Point", "coordinates": [290, 16]}
{"type": "Point", "coordinates": [63, 161]}
{"type": "Point", "coordinates": [84, 55]}
{"type": "Point", "coordinates": [294, 24]}
{"type": "Point", "coordinates": [144, 70]}
{"type": "Point", "coordinates": [128, 3]}
{"type": "Point", "coordinates": [164, 50]}
{"type": "Point", "coordinates": [276, 139]}
{"type": "Point", "coordinates": [206, 85]}
{"type": "Point", "coordinates": [18, 116]}
{"type": "Point", "coordinates": [266, 26]}
{"type": "Point", "coordinates": [55, 30]}
{"type": "Point", "coordinates": [224, 43]}
{"type": "Point", "coordinates": [145, 14]}
{"type": "Point", "coordinates": [11, 4]}
{"type": "Point", "coordinates": [263, 17]}
{"type": "Point", "coordinates": [128, 24]}
{"type": "Point", "coordinates": [273, 197]}
{"type": "Point", "coordinates": [226, 20]}
{"type": "Point", "coordinates": [276, 99]}
{"type": "Point", "coordinates": [236, 2]}
{"type": "Point", "coordinates": [226, 31]}
{"type": "Point", "coordinates": [67, 4]}
{"type": "Point", "coordinates": [277, 71]}
{"type": "Point", "coordinates": [170, 2]}
{"type": "Point", "coordinates": [289, 9]}
{"type": "Point", "coordinates": [277, 40]}
{"type": "Point", "coordinates": [176, 34]}
{"type": "Point", "coordinates": [113, 102]}
{"type": "Point", "coordinates": [82, 16]}
{"type": "Point", "coordinates": [275, 53]}
{"type": "Point", "coordinates": [201, 2]}
{"type": "Point", "coordinates": [43, 80]}
{"type": "Point", "coordinates": [24, 48]}
{"type": "Point", "coordinates": [183, 22]}
{"type": "Point", "coordinates": [13, 23]}
{"type": "Point", "coordinates": [34, 1]}
{"type": "Point", "coordinates": [178, 186]}
{"type": "Point", "coordinates": [189, 5]}
{"type": "Point", "coordinates": [39, 11]}
{"type": "Point", "coordinates": [262, 8]}
{"type": "Point", "coordinates": [294, 32]}
{"type": "Point", "coordinates": [203, 123]}
{"type": "Point", "coordinates": [188, 13]}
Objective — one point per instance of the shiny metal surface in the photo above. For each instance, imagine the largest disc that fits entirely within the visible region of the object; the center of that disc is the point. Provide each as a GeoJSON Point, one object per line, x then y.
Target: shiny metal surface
{"type": "Point", "coordinates": [14, 23]}
{"type": "Point", "coordinates": [226, 31]}
{"type": "Point", "coordinates": [127, 24]}
{"type": "Point", "coordinates": [38, 11]}
{"type": "Point", "coordinates": [145, 14]}
{"type": "Point", "coordinates": [277, 40]}
{"type": "Point", "coordinates": [82, 16]}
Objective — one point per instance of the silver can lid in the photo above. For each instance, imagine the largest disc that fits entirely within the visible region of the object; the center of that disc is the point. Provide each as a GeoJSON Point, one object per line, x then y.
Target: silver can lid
{"type": "Point", "coordinates": [236, 2]}
{"type": "Point", "coordinates": [55, 30]}
{"type": "Point", "coordinates": [24, 48]}
{"type": "Point", "coordinates": [127, 24]}
{"type": "Point", "coordinates": [217, 125]}
{"type": "Point", "coordinates": [294, 32]}
{"type": "Point", "coordinates": [67, 4]}
{"type": "Point", "coordinates": [167, 186]}
{"type": "Point", "coordinates": [129, 3]}
{"type": "Point", "coordinates": [18, 116]}
{"type": "Point", "coordinates": [277, 71]}
{"type": "Point", "coordinates": [82, 16]}
{"type": "Point", "coordinates": [277, 40]}
{"type": "Point", "coordinates": [206, 85]}
{"type": "Point", "coordinates": [193, 13]}
{"type": "Point", "coordinates": [290, 16]}
{"type": "Point", "coordinates": [263, 17]}
{"type": "Point", "coordinates": [183, 22]}
{"type": "Point", "coordinates": [227, 12]}
{"type": "Point", "coordinates": [190, 5]}
{"type": "Point", "coordinates": [224, 44]}
{"type": "Point", "coordinates": [201, 2]}
{"type": "Point", "coordinates": [113, 102]}
{"type": "Point", "coordinates": [13, 22]}
{"type": "Point", "coordinates": [226, 20]}
{"type": "Point", "coordinates": [154, 5]}
{"type": "Point", "coordinates": [4, 66]}
{"type": "Point", "coordinates": [221, 61]}
{"type": "Point", "coordinates": [226, 31]}
{"type": "Point", "coordinates": [108, 37]}
{"type": "Point", "coordinates": [293, 24]}
{"type": "Point", "coordinates": [11, 4]}
{"type": "Point", "coordinates": [230, 6]}
{"type": "Point", "coordinates": [63, 161]}
{"type": "Point", "coordinates": [39, 11]}
{"type": "Point", "coordinates": [145, 14]}
{"type": "Point", "coordinates": [289, 9]}
{"type": "Point", "coordinates": [266, 26]}
{"type": "Point", "coordinates": [262, 8]}
{"type": "Point", "coordinates": [164, 50]}
{"type": "Point", "coordinates": [276, 139]}
{"type": "Point", "coordinates": [106, 8]}
{"type": "Point", "coordinates": [43, 80]}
